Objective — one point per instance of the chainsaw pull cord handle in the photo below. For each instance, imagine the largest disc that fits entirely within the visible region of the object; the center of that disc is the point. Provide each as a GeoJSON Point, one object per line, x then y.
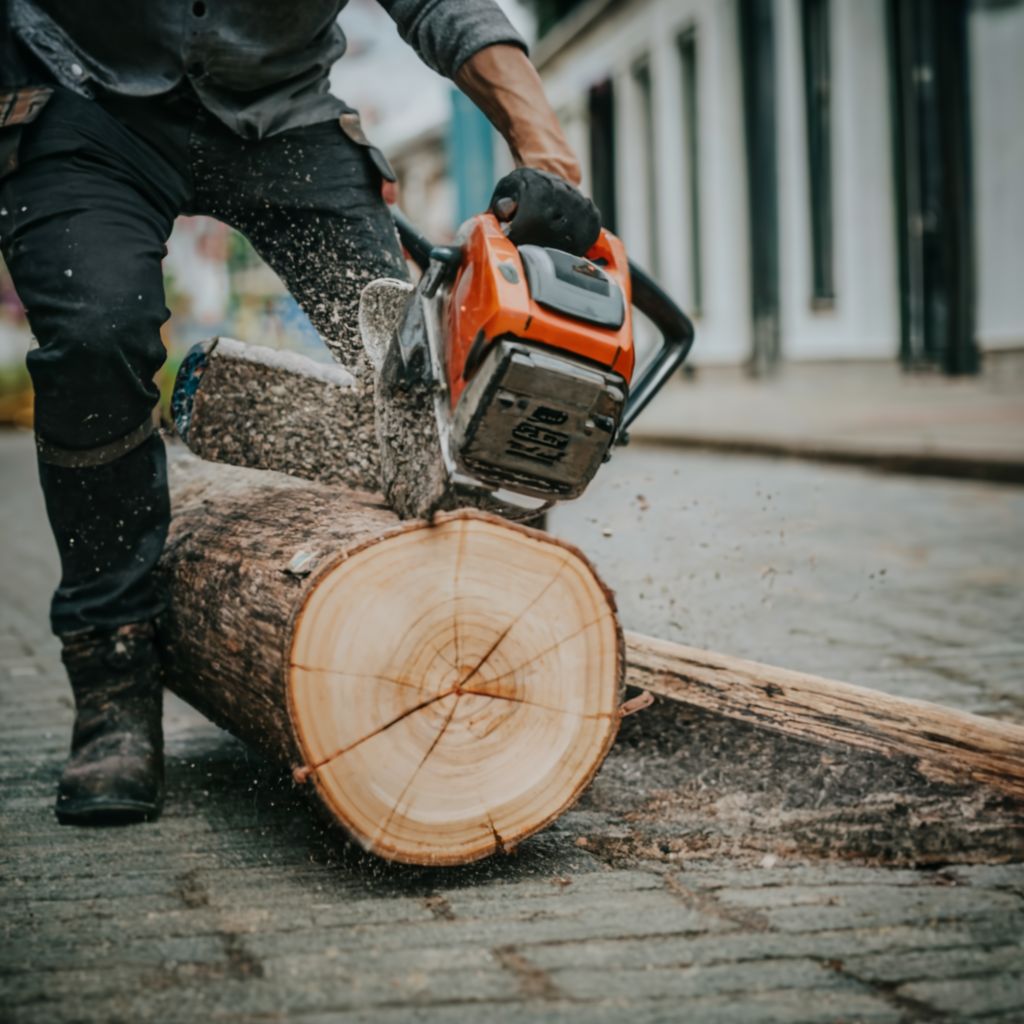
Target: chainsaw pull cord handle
{"type": "Point", "coordinates": [677, 339]}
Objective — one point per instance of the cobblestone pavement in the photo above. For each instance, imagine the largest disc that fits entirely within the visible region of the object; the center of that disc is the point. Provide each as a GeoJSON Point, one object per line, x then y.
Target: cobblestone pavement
{"type": "Point", "coordinates": [236, 906]}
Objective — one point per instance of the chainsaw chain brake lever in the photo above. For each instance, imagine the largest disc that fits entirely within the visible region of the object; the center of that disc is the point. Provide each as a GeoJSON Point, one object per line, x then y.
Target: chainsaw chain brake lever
{"type": "Point", "coordinates": [677, 339]}
{"type": "Point", "coordinates": [445, 260]}
{"type": "Point", "coordinates": [438, 262]}
{"type": "Point", "coordinates": [416, 245]}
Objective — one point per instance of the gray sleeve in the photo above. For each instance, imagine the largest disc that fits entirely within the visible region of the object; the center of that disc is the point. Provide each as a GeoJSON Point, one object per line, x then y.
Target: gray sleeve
{"type": "Point", "coordinates": [446, 33]}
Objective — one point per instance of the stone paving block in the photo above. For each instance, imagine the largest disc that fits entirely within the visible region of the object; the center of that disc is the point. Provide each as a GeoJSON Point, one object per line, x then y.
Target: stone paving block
{"type": "Point", "coordinates": [233, 1001]}
{"type": "Point", "coordinates": [966, 997]}
{"type": "Point", "coordinates": [806, 875]}
{"type": "Point", "coordinates": [890, 907]}
{"type": "Point", "coordinates": [806, 1007]}
{"type": "Point", "coordinates": [751, 976]}
{"type": "Point", "coordinates": [591, 921]}
{"type": "Point", "coordinates": [886, 945]}
{"type": "Point", "coordinates": [965, 962]}
{"type": "Point", "coordinates": [34, 960]}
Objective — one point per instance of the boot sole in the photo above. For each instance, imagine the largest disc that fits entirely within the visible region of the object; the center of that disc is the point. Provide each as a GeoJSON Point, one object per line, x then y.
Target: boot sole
{"type": "Point", "coordinates": [107, 812]}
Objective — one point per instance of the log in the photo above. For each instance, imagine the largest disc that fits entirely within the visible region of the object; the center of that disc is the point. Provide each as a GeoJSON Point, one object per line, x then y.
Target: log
{"type": "Point", "coordinates": [942, 744]}
{"type": "Point", "coordinates": [445, 690]}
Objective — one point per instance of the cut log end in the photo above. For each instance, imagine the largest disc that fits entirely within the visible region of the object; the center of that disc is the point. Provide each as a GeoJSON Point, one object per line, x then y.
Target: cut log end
{"type": "Point", "coordinates": [454, 689]}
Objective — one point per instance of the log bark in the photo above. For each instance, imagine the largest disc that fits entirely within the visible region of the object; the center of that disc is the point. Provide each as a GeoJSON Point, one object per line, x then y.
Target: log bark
{"type": "Point", "coordinates": [446, 690]}
{"type": "Point", "coordinates": [755, 764]}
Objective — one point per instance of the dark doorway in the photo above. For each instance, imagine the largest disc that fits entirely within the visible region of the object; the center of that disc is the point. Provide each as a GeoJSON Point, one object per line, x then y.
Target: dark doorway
{"type": "Point", "coordinates": [601, 110]}
{"type": "Point", "coordinates": [757, 58]}
{"type": "Point", "coordinates": [928, 48]}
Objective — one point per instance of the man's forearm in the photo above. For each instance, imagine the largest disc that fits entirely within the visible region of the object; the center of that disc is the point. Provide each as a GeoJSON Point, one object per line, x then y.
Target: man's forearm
{"type": "Point", "coordinates": [503, 83]}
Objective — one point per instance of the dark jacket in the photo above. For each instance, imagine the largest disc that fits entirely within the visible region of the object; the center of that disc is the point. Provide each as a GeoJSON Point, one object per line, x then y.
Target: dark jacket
{"type": "Point", "coordinates": [259, 66]}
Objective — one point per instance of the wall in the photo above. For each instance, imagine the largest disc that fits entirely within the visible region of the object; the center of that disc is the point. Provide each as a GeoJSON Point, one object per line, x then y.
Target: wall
{"type": "Point", "coordinates": [630, 31]}
{"type": "Point", "coordinates": [997, 111]}
{"type": "Point", "coordinates": [864, 320]}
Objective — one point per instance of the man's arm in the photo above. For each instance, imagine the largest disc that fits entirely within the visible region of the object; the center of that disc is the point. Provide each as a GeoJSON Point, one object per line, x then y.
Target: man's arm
{"type": "Point", "coordinates": [503, 83]}
{"type": "Point", "coordinates": [474, 44]}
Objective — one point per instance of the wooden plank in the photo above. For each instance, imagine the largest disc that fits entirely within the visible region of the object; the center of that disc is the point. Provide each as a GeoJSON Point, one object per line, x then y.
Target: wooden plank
{"type": "Point", "coordinates": [947, 745]}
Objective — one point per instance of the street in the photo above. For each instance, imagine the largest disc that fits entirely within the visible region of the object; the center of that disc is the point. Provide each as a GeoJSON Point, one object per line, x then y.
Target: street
{"type": "Point", "coordinates": [238, 906]}
{"type": "Point", "coordinates": [911, 585]}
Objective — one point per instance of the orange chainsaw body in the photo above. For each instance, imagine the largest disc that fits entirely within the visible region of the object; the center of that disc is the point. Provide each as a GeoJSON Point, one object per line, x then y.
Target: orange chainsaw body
{"type": "Point", "coordinates": [490, 300]}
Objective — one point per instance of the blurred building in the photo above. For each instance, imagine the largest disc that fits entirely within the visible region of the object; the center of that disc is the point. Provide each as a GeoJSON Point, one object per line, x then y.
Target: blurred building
{"type": "Point", "coordinates": [445, 152]}
{"type": "Point", "coordinates": [814, 179]}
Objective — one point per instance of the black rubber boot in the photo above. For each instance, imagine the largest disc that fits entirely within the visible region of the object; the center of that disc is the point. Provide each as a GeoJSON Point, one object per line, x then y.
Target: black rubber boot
{"type": "Point", "coordinates": [115, 774]}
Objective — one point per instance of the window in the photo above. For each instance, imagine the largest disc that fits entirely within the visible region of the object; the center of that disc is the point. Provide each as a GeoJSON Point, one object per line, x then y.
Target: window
{"type": "Point", "coordinates": [687, 44]}
{"type": "Point", "coordinates": [818, 100]}
{"type": "Point", "coordinates": [645, 102]}
{"type": "Point", "coordinates": [601, 112]}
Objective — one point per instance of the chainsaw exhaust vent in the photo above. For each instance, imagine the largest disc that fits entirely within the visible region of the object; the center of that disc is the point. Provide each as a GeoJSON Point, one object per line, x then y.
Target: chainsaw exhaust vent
{"type": "Point", "coordinates": [536, 422]}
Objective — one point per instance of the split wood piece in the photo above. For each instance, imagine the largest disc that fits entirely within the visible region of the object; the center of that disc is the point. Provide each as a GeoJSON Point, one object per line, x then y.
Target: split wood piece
{"type": "Point", "coordinates": [447, 690]}
{"type": "Point", "coordinates": [946, 745]}
{"type": "Point", "coordinates": [268, 409]}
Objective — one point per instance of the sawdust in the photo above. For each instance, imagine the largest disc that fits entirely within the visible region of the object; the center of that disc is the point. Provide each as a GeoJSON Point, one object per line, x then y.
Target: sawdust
{"type": "Point", "coordinates": [284, 361]}
{"type": "Point", "coordinates": [413, 473]}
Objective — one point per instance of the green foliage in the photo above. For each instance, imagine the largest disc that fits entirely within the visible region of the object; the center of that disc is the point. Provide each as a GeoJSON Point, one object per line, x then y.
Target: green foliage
{"type": "Point", "coordinates": [14, 379]}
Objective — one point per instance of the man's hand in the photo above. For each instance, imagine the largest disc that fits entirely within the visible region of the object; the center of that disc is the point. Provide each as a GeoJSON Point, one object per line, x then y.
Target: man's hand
{"type": "Point", "coordinates": [503, 83]}
{"type": "Point", "coordinates": [544, 209]}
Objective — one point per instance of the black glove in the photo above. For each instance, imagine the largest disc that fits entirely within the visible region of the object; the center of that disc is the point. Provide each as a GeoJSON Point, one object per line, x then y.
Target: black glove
{"type": "Point", "coordinates": [543, 209]}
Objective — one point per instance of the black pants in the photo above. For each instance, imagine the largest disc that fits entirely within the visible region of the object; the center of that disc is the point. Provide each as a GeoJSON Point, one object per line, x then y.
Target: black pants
{"type": "Point", "coordinates": [83, 224]}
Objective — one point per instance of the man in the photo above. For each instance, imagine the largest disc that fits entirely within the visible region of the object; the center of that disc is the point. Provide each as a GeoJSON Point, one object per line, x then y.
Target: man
{"type": "Point", "coordinates": [114, 119]}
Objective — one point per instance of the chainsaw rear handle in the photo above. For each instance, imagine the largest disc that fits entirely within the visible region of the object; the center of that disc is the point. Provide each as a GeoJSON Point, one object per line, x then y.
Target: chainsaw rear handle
{"type": "Point", "coordinates": [676, 341]}
{"type": "Point", "coordinates": [648, 297]}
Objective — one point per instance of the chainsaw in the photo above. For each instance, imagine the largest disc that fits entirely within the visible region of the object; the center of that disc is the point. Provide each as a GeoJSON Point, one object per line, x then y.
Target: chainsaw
{"type": "Point", "coordinates": [529, 351]}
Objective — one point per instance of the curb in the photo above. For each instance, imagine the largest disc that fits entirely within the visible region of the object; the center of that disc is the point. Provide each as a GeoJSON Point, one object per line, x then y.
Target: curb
{"type": "Point", "coordinates": [947, 465]}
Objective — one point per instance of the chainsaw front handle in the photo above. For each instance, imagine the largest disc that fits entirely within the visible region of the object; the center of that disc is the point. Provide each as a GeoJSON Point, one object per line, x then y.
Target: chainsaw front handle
{"type": "Point", "coordinates": [676, 341]}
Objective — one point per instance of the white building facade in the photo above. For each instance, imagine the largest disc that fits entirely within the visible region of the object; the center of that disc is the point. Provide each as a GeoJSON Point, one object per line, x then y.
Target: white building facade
{"type": "Point", "coordinates": [791, 171]}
